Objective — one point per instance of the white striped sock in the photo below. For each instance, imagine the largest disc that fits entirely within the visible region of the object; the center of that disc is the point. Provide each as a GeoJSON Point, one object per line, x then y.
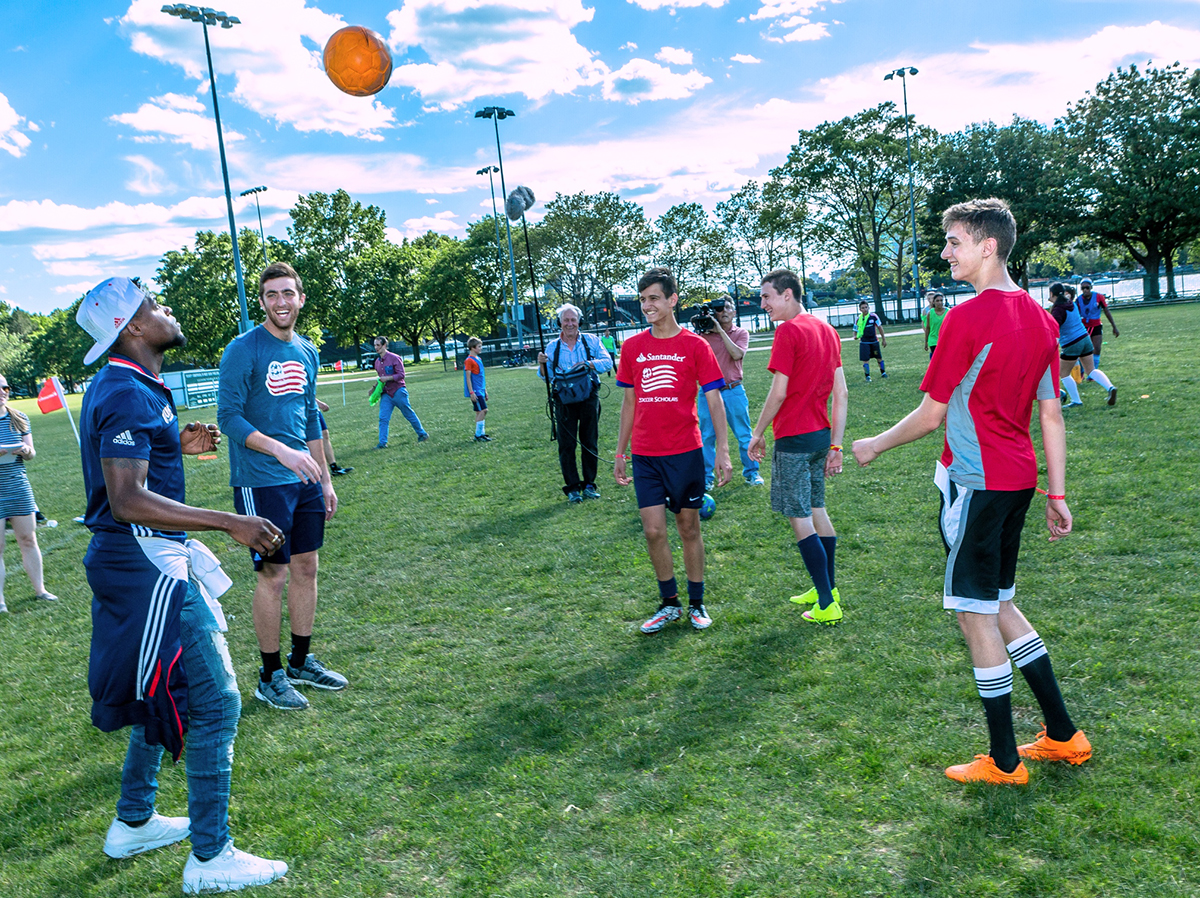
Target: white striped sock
{"type": "Point", "coordinates": [993, 682]}
{"type": "Point", "coordinates": [1027, 648]}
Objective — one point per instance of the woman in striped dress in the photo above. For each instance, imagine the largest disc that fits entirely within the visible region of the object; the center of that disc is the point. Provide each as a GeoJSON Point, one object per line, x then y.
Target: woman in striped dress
{"type": "Point", "coordinates": [16, 496]}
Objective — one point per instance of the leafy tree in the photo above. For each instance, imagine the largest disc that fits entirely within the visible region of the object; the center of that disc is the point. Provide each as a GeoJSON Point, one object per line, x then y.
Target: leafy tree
{"type": "Point", "coordinates": [385, 279]}
{"type": "Point", "coordinates": [1021, 163]}
{"type": "Point", "coordinates": [1134, 146]}
{"type": "Point", "coordinates": [486, 292]}
{"type": "Point", "coordinates": [758, 223]}
{"type": "Point", "coordinates": [328, 232]}
{"type": "Point", "coordinates": [858, 172]}
{"type": "Point", "coordinates": [198, 284]}
{"type": "Point", "coordinates": [58, 346]}
{"type": "Point", "coordinates": [590, 239]}
{"type": "Point", "coordinates": [685, 242]}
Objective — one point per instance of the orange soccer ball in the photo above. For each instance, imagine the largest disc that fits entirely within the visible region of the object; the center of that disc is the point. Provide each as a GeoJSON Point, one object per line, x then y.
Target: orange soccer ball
{"type": "Point", "coordinates": [357, 61]}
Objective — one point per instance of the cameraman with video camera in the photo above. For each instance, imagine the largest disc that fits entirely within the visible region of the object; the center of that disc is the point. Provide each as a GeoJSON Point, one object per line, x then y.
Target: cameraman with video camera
{"type": "Point", "coordinates": [573, 363]}
{"type": "Point", "coordinates": [714, 322]}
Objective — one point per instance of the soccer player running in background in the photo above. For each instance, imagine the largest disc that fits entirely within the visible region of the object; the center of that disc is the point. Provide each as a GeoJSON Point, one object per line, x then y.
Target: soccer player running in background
{"type": "Point", "coordinates": [1075, 346]}
{"type": "Point", "coordinates": [806, 364]}
{"type": "Point", "coordinates": [661, 370]}
{"type": "Point", "coordinates": [996, 357]}
{"type": "Point", "coordinates": [933, 318]}
{"type": "Point", "coordinates": [475, 387]}
{"type": "Point", "coordinates": [267, 406]}
{"type": "Point", "coordinates": [1090, 306]}
{"type": "Point", "coordinates": [871, 339]}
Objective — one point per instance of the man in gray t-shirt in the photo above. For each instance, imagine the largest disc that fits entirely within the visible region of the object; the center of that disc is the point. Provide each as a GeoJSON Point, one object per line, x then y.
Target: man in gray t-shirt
{"type": "Point", "coordinates": [267, 406]}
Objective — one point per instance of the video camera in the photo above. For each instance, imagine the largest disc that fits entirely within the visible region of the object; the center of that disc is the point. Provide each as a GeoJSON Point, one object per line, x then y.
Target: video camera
{"type": "Point", "coordinates": [704, 319]}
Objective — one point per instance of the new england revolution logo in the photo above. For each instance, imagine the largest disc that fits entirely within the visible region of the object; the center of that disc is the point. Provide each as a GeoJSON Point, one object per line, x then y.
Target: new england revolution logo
{"type": "Point", "coordinates": [286, 377]}
{"type": "Point", "coordinates": [658, 377]}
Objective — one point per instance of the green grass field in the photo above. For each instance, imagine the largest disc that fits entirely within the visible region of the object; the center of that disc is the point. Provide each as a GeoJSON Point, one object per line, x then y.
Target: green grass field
{"type": "Point", "coordinates": [508, 732]}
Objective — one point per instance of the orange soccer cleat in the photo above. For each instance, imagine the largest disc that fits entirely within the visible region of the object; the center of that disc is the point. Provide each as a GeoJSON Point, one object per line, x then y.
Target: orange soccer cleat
{"type": "Point", "coordinates": [1075, 750]}
{"type": "Point", "coordinates": [984, 770]}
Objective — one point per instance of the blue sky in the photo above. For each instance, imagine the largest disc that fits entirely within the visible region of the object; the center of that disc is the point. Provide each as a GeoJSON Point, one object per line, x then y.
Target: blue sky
{"type": "Point", "coordinates": [108, 150]}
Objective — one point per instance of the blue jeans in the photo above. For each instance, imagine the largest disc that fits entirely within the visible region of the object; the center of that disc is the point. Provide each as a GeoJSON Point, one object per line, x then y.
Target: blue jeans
{"type": "Point", "coordinates": [737, 413]}
{"type": "Point", "coordinates": [214, 706]}
{"type": "Point", "coordinates": [400, 401]}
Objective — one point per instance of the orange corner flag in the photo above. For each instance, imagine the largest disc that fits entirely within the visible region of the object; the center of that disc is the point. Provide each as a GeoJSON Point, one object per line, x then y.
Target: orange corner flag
{"type": "Point", "coordinates": [51, 398]}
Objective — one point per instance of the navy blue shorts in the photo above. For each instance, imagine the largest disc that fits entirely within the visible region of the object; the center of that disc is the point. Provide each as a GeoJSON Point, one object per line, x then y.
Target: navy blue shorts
{"type": "Point", "coordinates": [479, 403]}
{"type": "Point", "coordinates": [676, 481]}
{"type": "Point", "coordinates": [868, 351]}
{"type": "Point", "coordinates": [298, 509]}
{"type": "Point", "coordinates": [321, 418]}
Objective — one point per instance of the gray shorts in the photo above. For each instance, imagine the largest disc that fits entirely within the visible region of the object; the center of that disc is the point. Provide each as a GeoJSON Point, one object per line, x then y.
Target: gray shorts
{"type": "Point", "coordinates": [798, 482]}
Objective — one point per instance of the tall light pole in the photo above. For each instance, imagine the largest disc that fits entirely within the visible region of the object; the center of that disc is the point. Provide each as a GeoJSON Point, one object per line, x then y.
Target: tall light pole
{"type": "Point", "coordinates": [207, 16]}
{"type": "Point", "coordinates": [912, 202]}
{"type": "Point", "coordinates": [488, 170]}
{"type": "Point", "coordinates": [496, 113]}
{"type": "Point", "coordinates": [256, 191]}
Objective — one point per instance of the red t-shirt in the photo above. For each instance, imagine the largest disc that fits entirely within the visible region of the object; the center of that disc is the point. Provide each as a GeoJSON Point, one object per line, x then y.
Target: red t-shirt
{"type": "Point", "coordinates": [997, 353]}
{"type": "Point", "coordinates": [808, 351]}
{"type": "Point", "coordinates": [665, 376]}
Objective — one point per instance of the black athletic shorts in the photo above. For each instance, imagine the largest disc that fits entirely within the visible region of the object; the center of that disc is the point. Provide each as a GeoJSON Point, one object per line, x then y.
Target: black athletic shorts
{"type": "Point", "coordinates": [298, 509]}
{"type": "Point", "coordinates": [676, 481]}
{"type": "Point", "coordinates": [982, 533]}
{"type": "Point", "coordinates": [868, 351]}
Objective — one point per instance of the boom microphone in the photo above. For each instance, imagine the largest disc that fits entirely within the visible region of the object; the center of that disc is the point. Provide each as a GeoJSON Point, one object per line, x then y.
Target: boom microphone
{"type": "Point", "coordinates": [518, 202]}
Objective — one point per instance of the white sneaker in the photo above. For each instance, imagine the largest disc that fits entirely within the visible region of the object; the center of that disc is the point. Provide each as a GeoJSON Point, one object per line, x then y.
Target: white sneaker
{"type": "Point", "coordinates": [229, 871]}
{"type": "Point", "coordinates": [124, 840]}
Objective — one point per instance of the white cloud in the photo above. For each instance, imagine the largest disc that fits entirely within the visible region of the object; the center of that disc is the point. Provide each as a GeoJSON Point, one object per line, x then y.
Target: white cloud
{"type": "Point", "coordinates": [175, 118]}
{"type": "Point", "coordinates": [492, 48]}
{"type": "Point", "coordinates": [674, 56]}
{"type": "Point", "coordinates": [273, 59]}
{"type": "Point", "coordinates": [12, 141]}
{"type": "Point", "coordinates": [443, 223]}
{"type": "Point", "coordinates": [676, 4]}
{"type": "Point", "coordinates": [149, 179]}
{"type": "Point", "coordinates": [628, 45]}
{"type": "Point", "coordinates": [641, 79]}
{"type": "Point", "coordinates": [431, 201]}
{"type": "Point", "coordinates": [77, 289]}
{"type": "Point", "coordinates": [792, 22]}
{"type": "Point", "coordinates": [745, 58]}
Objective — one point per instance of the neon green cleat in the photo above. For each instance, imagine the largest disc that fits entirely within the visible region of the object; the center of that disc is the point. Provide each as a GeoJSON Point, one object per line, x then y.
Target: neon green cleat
{"type": "Point", "coordinates": [828, 616]}
{"type": "Point", "coordinates": [810, 597]}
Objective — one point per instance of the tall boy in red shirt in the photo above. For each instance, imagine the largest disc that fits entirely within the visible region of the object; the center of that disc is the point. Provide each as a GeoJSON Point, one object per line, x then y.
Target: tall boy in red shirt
{"type": "Point", "coordinates": [997, 354]}
{"type": "Point", "coordinates": [661, 370]}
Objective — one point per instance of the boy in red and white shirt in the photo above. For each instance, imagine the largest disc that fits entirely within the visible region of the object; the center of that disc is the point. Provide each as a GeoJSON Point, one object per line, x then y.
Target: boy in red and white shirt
{"type": "Point", "coordinates": [997, 354]}
{"type": "Point", "coordinates": [662, 370]}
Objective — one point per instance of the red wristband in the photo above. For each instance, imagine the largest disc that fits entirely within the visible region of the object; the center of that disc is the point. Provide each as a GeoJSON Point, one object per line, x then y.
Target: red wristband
{"type": "Point", "coordinates": [1062, 498]}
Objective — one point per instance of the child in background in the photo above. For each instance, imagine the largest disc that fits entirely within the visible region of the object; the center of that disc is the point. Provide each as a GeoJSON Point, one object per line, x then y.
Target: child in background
{"type": "Point", "coordinates": [475, 387]}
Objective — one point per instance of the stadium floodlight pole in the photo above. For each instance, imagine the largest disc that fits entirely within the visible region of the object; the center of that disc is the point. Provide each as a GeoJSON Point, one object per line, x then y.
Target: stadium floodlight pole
{"type": "Point", "coordinates": [912, 203]}
{"type": "Point", "coordinates": [487, 170]}
{"type": "Point", "coordinates": [207, 16]}
{"type": "Point", "coordinates": [496, 113]}
{"type": "Point", "coordinates": [256, 191]}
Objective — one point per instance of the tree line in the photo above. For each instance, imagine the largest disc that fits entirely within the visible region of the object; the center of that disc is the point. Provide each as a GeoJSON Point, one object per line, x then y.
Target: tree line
{"type": "Point", "coordinates": [1115, 178]}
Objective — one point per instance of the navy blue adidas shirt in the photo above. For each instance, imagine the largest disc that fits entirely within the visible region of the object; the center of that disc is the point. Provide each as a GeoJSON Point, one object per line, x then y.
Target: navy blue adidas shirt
{"type": "Point", "coordinates": [129, 413]}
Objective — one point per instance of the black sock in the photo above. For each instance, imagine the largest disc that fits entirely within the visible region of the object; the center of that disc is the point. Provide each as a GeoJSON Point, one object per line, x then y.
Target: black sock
{"type": "Point", "coordinates": [668, 591]}
{"type": "Point", "coordinates": [300, 646]}
{"type": "Point", "coordinates": [813, 554]}
{"type": "Point", "coordinates": [695, 592]}
{"type": "Point", "coordinates": [995, 690]}
{"type": "Point", "coordinates": [1029, 654]}
{"type": "Point", "coordinates": [830, 544]}
{"type": "Point", "coordinates": [271, 663]}
{"type": "Point", "coordinates": [135, 824]}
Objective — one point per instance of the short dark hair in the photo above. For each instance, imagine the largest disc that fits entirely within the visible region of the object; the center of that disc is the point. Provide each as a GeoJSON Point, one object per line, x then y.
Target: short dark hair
{"type": "Point", "coordinates": [279, 270]}
{"type": "Point", "coordinates": [661, 276]}
{"type": "Point", "coordinates": [1058, 291]}
{"type": "Point", "coordinates": [382, 338]}
{"type": "Point", "coordinates": [785, 279]}
{"type": "Point", "coordinates": [983, 219]}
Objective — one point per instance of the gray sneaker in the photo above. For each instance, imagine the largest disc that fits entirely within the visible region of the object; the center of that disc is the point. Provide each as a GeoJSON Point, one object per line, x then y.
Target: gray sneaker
{"type": "Point", "coordinates": [314, 673]}
{"type": "Point", "coordinates": [279, 693]}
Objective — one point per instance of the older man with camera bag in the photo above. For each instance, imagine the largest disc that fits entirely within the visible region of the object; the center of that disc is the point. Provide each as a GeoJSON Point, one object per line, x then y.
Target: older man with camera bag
{"type": "Point", "coordinates": [573, 363]}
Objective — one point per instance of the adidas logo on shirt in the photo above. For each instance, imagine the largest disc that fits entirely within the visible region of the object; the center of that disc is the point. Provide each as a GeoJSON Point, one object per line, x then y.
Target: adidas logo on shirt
{"type": "Point", "coordinates": [125, 438]}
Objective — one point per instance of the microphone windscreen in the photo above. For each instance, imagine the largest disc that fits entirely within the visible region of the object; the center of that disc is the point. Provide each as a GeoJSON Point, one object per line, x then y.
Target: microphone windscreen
{"type": "Point", "coordinates": [518, 202]}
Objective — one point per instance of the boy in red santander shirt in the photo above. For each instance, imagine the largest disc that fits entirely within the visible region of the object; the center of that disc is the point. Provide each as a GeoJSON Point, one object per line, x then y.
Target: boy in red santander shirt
{"type": "Point", "coordinates": [997, 355]}
{"type": "Point", "coordinates": [661, 370]}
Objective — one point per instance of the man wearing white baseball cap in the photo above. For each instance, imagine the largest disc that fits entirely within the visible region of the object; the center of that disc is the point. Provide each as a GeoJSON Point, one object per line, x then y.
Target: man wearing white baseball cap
{"type": "Point", "coordinates": [159, 662]}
